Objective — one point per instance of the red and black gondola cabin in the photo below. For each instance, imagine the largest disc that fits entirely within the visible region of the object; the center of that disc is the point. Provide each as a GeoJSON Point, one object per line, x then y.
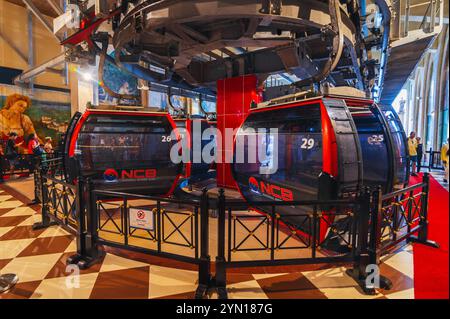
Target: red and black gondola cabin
{"type": "Point", "coordinates": [123, 151]}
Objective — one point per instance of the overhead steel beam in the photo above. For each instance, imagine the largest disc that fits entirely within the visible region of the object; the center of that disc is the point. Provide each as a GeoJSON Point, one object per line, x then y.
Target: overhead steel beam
{"type": "Point", "coordinates": [265, 61]}
{"type": "Point", "coordinates": [214, 55]}
{"type": "Point", "coordinates": [55, 7]}
{"type": "Point", "coordinates": [336, 26]}
{"type": "Point", "coordinates": [40, 17]}
{"type": "Point", "coordinates": [228, 52]}
{"type": "Point", "coordinates": [353, 61]}
{"type": "Point", "coordinates": [193, 33]}
{"type": "Point", "coordinates": [386, 14]}
{"type": "Point", "coordinates": [228, 24]}
{"type": "Point", "coordinates": [27, 75]}
{"type": "Point", "coordinates": [55, 71]}
{"type": "Point", "coordinates": [14, 47]}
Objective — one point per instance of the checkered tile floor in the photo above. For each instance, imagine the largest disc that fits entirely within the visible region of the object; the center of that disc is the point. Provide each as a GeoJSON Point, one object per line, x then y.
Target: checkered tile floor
{"type": "Point", "coordinates": [38, 257]}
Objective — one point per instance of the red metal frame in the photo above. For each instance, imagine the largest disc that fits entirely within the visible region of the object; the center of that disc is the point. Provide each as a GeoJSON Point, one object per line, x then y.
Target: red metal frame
{"type": "Point", "coordinates": [85, 33]}
{"type": "Point", "coordinates": [234, 97]}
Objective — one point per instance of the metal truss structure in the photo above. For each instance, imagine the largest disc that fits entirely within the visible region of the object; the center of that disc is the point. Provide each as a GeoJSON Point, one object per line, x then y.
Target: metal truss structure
{"type": "Point", "coordinates": [310, 42]}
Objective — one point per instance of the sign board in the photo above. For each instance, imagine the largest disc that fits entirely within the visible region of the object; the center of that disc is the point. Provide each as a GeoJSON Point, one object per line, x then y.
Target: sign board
{"type": "Point", "coordinates": [141, 218]}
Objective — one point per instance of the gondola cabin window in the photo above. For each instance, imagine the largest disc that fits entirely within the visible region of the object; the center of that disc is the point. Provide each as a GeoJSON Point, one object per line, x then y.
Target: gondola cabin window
{"type": "Point", "coordinates": [289, 143]}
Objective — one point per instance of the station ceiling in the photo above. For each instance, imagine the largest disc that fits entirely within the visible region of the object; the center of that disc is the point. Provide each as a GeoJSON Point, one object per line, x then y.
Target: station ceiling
{"type": "Point", "coordinates": [43, 6]}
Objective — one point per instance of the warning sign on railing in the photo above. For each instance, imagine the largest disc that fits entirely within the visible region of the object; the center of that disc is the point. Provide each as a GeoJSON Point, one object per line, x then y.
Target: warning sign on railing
{"type": "Point", "coordinates": [141, 218]}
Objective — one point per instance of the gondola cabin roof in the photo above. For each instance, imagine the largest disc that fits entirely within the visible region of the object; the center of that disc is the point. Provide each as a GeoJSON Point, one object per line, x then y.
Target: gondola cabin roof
{"type": "Point", "coordinates": [308, 98]}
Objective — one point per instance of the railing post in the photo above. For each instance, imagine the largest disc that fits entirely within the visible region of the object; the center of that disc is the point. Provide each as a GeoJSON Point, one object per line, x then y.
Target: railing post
{"type": "Point", "coordinates": [37, 186]}
{"type": "Point", "coordinates": [422, 236]}
{"type": "Point", "coordinates": [395, 219]}
{"type": "Point", "coordinates": [92, 215]}
{"type": "Point", "coordinates": [375, 227]}
{"type": "Point", "coordinates": [204, 269]}
{"type": "Point", "coordinates": [362, 258]}
{"type": "Point", "coordinates": [430, 160]}
{"type": "Point", "coordinates": [65, 204]}
{"type": "Point", "coordinates": [87, 250]}
{"type": "Point", "coordinates": [366, 257]}
{"type": "Point", "coordinates": [221, 271]}
{"type": "Point", "coordinates": [375, 239]}
{"type": "Point", "coordinates": [409, 212]}
{"type": "Point", "coordinates": [273, 222]}
{"type": "Point", "coordinates": [81, 223]}
{"type": "Point", "coordinates": [46, 221]}
{"type": "Point", "coordinates": [158, 226]}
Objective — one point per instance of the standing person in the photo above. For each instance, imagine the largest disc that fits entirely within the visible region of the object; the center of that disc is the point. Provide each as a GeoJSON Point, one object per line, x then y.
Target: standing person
{"type": "Point", "coordinates": [444, 159]}
{"type": "Point", "coordinates": [419, 153]}
{"type": "Point", "coordinates": [412, 149]}
{"type": "Point", "coordinates": [48, 147]}
{"type": "Point", "coordinates": [12, 152]}
{"type": "Point", "coordinates": [32, 144]}
{"type": "Point", "coordinates": [34, 150]}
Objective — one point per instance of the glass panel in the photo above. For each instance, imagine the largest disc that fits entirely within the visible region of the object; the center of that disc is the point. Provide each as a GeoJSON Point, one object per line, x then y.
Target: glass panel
{"type": "Point", "coordinates": [178, 101]}
{"type": "Point", "coordinates": [158, 99]}
{"type": "Point", "coordinates": [299, 145]}
{"type": "Point", "coordinates": [294, 154]}
{"type": "Point", "coordinates": [209, 107]}
{"type": "Point", "coordinates": [374, 149]}
{"type": "Point", "coordinates": [128, 152]}
{"type": "Point", "coordinates": [399, 147]}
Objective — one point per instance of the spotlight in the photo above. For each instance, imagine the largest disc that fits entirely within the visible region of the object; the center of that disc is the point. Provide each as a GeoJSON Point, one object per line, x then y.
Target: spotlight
{"type": "Point", "coordinates": [87, 76]}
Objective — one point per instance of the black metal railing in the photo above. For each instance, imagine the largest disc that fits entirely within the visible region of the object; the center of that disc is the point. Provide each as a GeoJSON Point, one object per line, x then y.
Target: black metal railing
{"type": "Point", "coordinates": [434, 160]}
{"type": "Point", "coordinates": [366, 226]}
{"type": "Point", "coordinates": [399, 216]}
{"type": "Point", "coordinates": [177, 235]}
{"type": "Point", "coordinates": [58, 200]}
{"type": "Point", "coordinates": [271, 234]}
{"type": "Point", "coordinates": [167, 226]}
{"type": "Point", "coordinates": [24, 164]}
{"type": "Point", "coordinates": [52, 167]}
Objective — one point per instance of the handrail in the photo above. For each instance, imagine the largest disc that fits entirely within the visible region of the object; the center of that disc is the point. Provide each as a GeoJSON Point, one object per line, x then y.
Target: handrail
{"type": "Point", "coordinates": [52, 160]}
{"type": "Point", "coordinates": [402, 191]}
{"type": "Point", "coordinates": [148, 197]}
{"type": "Point", "coordinates": [231, 203]}
{"type": "Point", "coordinates": [239, 203]}
{"type": "Point", "coordinates": [58, 181]}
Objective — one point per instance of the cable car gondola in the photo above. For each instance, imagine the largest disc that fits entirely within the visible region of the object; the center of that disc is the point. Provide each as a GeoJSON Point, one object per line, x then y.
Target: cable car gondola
{"type": "Point", "coordinates": [123, 151]}
{"type": "Point", "coordinates": [325, 150]}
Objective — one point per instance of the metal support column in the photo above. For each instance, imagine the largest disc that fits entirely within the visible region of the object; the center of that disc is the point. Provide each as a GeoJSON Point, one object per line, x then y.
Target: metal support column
{"type": "Point", "coordinates": [221, 271]}
{"type": "Point", "coordinates": [30, 46]}
{"type": "Point", "coordinates": [422, 237]}
{"type": "Point", "coordinates": [204, 271]}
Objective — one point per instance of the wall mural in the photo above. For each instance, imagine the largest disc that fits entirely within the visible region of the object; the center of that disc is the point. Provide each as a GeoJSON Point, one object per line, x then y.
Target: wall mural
{"type": "Point", "coordinates": [46, 113]}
